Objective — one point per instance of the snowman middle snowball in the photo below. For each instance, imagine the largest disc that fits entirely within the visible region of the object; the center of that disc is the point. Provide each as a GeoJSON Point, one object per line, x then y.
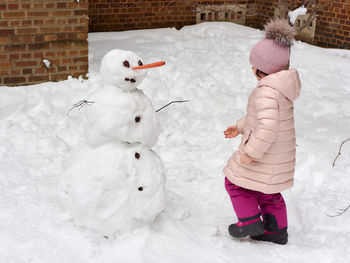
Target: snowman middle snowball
{"type": "Point", "coordinates": [121, 111]}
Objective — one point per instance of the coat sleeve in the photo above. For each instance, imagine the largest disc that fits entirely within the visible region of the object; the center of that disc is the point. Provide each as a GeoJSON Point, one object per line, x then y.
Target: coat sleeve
{"type": "Point", "coordinates": [266, 110]}
{"type": "Point", "coordinates": [240, 125]}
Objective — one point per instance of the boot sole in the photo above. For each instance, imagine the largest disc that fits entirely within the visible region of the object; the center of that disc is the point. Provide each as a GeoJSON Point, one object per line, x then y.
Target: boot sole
{"type": "Point", "coordinates": [254, 229]}
{"type": "Point", "coordinates": [280, 238]}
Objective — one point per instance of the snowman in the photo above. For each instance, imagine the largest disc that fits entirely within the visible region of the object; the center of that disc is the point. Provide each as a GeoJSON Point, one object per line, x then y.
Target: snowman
{"type": "Point", "coordinates": [115, 182]}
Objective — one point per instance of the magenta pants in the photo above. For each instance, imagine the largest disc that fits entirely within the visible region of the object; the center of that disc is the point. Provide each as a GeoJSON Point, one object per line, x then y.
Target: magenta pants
{"type": "Point", "coordinates": [249, 204]}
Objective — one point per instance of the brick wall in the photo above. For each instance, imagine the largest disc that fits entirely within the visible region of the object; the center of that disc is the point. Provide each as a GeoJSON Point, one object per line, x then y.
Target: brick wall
{"type": "Point", "coordinates": [332, 29]}
{"type": "Point", "coordinates": [106, 15]}
{"type": "Point", "coordinates": [31, 30]}
{"type": "Point", "coordinates": [333, 22]}
{"type": "Point", "coordinates": [333, 25]}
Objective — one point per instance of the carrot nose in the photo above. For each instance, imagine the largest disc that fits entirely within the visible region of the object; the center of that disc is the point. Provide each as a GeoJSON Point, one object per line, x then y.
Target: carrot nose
{"type": "Point", "coordinates": [151, 65]}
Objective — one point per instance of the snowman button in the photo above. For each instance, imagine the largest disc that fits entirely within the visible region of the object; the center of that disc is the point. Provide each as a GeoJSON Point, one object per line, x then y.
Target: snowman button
{"type": "Point", "coordinates": [137, 155]}
{"type": "Point", "coordinates": [140, 188]}
{"type": "Point", "coordinates": [137, 119]}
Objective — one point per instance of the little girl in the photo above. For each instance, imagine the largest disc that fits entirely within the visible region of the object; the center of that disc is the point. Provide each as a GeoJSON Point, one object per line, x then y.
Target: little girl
{"type": "Point", "coordinates": [264, 164]}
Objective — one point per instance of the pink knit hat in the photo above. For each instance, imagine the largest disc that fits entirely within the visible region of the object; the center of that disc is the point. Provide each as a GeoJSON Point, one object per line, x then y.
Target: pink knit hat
{"type": "Point", "coordinates": [271, 54]}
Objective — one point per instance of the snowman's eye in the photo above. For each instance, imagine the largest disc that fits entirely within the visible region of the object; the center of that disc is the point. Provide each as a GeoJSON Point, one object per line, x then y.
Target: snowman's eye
{"type": "Point", "coordinates": [140, 63]}
{"type": "Point", "coordinates": [126, 64]}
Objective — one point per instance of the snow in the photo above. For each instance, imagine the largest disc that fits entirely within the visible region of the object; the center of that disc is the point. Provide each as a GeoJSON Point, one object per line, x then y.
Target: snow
{"type": "Point", "coordinates": [208, 65]}
{"type": "Point", "coordinates": [293, 15]}
{"type": "Point", "coordinates": [47, 62]}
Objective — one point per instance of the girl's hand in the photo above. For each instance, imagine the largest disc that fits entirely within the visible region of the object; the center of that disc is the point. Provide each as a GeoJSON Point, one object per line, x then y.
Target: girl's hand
{"type": "Point", "coordinates": [231, 132]}
{"type": "Point", "coordinates": [245, 159]}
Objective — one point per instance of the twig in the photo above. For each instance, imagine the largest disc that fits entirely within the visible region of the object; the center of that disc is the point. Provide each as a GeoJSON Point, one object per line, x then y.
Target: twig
{"type": "Point", "coordinates": [340, 212]}
{"type": "Point", "coordinates": [340, 147]}
{"type": "Point", "coordinates": [80, 105]}
{"type": "Point", "coordinates": [175, 101]}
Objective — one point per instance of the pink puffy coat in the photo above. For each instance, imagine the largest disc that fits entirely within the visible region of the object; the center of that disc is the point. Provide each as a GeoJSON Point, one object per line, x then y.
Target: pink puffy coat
{"type": "Point", "coordinates": [268, 136]}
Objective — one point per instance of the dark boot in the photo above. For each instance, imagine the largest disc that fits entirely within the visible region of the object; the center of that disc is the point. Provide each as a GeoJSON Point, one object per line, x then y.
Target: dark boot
{"type": "Point", "coordinates": [280, 237]}
{"type": "Point", "coordinates": [250, 228]}
{"type": "Point", "coordinates": [272, 233]}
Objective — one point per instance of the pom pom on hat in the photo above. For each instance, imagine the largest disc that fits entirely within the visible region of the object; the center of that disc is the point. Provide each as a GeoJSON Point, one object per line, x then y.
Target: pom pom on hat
{"type": "Point", "coordinates": [271, 54]}
{"type": "Point", "coordinates": [280, 31]}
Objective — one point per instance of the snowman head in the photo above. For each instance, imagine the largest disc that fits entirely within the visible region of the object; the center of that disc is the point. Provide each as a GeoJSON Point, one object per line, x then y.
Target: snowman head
{"type": "Point", "coordinates": [123, 69]}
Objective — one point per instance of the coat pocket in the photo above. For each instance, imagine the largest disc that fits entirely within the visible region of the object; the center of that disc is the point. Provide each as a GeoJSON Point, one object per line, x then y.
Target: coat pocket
{"type": "Point", "coordinates": [247, 139]}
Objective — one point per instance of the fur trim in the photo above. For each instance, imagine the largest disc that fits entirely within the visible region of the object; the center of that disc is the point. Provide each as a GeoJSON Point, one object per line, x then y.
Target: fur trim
{"type": "Point", "coordinates": [280, 31]}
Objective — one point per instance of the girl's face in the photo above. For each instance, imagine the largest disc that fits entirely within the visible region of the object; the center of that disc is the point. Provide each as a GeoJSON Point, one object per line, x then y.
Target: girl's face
{"type": "Point", "coordinates": [256, 75]}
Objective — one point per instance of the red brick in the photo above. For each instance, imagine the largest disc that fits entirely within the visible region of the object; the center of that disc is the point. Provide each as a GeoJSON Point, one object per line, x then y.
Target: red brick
{"type": "Point", "coordinates": [39, 5]}
{"type": "Point", "coordinates": [13, 6]}
{"type": "Point", "coordinates": [27, 71]}
{"type": "Point", "coordinates": [17, 14]}
{"type": "Point", "coordinates": [39, 22]}
{"type": "Point", "coordinates": [38, 14]}
{"type": "Point", "coordinates": [38, 46]}
{"type": "Point", "coordinates": [26, 64]}
{"type": "Point", "coordinates": [52, 37]}
{"type": "Point", "coordinates": [26, 55]}
{"type": "Point", "coordinates": [14, 56]}
{"type": "Point", "coordinates": [7, 32]}
{"type": "Point", "coordinates": [4, 72]}
{"type": "Point", "coordinates": [50, 54]}
{"type": "Point", "coordinates": [14, 80]}
{"type": "Point", "coordinates": [72, 68]}
{"type": "Point", "coordinates": [7, 64]}
{"type": "Point", "coordinates": [27, 22]}
{"type": "Point", "coordinates": [80, 59]}
{"type": "Point", "coordinates": [51, 21]}
{"type": "Point", "coordinates": [49, 5]}
{"type": "Point", "coordinates": [39, 38]}
{"type": "Point", "coordinates": [39, 78]}
{"type": "Point", "coordinates": [14, 72]}
{"type": "Point", "coordinates": [4, 23]}
{"type": "Point", "coordinates": [62, 68]}
{"type": "Point", "coordinates": [40, 70]}
{"type": "Point", "coordinates": [50, 29]}
{"type": "Point", "coordinates": [67, 61]}
{"type": "Point", "coordinates": [72, 53]}
{"type": "Point", "coordinates": [342, 16]}
{"type": "Point", "coordinates": [38, 54]}
{"type": "Point", "coordinates": [26, 6]}
{"type": "Point", "coordinates": [17, 47]}
{"type": "Point", "coordinates": [61, 53]}
{"type": "Point", "coordinates": [62, 5]}
{"type": "Point", "coordinates": [15, 23]}
{"type": "Point", "coordinates": [61, 13]}
{"type": "Point", "coordinates": [62, 21]}
{"type": "Point", "coordinates": [4, 40]}
{"type": "Point", "coordinates": [30, 30]}
{"type": "Point", "coordinates": [57, 77]}
{"type": "Point", "coordinates": [84, 67]}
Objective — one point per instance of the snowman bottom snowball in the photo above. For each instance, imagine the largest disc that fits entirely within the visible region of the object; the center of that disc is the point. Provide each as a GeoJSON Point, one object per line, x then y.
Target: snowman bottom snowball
{"type": "Point", "coordinates": [114, 187]}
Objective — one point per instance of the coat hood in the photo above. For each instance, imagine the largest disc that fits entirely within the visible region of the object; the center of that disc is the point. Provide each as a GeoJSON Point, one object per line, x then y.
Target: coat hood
{"type": "Point", "coordinates": [286, 81]}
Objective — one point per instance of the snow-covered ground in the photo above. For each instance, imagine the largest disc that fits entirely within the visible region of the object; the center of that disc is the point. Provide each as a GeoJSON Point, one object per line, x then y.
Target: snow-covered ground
{"type": "Point", "coordinates": [208, 65]}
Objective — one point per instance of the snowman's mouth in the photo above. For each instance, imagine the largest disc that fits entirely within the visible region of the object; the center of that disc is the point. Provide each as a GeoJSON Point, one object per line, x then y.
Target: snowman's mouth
{"type": "Point", "coordinates": [132, 80]}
